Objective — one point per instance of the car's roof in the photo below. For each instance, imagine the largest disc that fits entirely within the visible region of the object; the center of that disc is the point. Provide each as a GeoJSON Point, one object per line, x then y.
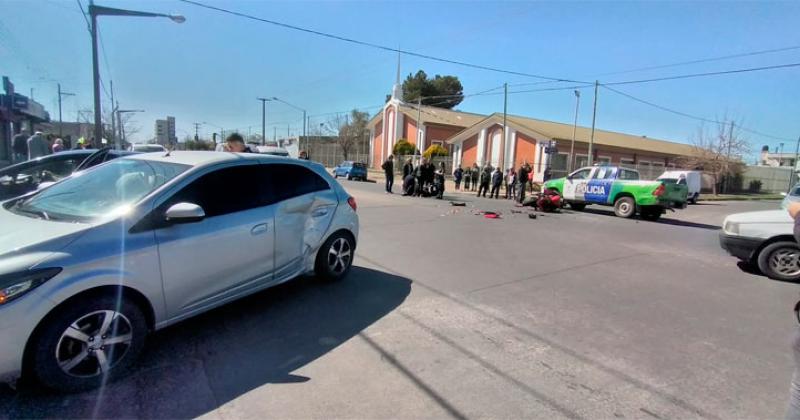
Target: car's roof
{"type": "Point", "coordinates": [203, 158]}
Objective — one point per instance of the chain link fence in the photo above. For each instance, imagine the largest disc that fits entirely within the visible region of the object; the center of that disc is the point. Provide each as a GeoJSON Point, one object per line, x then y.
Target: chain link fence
{"type": "Point", "coordinates": [331, 154]}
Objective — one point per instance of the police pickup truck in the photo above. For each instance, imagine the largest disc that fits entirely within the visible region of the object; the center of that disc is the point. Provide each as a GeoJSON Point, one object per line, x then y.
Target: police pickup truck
{"type": "Point", "coordinates": [619, 187]}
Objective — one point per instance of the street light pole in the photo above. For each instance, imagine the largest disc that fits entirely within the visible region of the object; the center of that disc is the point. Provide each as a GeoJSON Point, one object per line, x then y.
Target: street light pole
{"type": "Point", "coordinates": [274, 98]}
{"type": "Point", "coordinates": [594, 118]}
{"type": "Point", "coordinates": [574, 130]}
{"type": "Point", "coordinates": [263, 119]}
{"type": "Point", "coordinates": [94, 12]}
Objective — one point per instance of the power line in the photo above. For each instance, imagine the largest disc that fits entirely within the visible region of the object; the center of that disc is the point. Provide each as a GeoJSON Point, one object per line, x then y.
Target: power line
{"type": "Point", "coordinates": [373, 45]}
{"type": "Point", "coordinates": [694, 117]}
{"type": "Point", "coordinates": [704, 60]}
{"type": "Point", "coordinates": [713, 73]}
{"type": "Point", "coordinates": [88, 25]}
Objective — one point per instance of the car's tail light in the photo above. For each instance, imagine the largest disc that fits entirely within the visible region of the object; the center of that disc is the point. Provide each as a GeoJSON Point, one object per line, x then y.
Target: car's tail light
{"type": "Point", "coordinates": [658, 192]}
{"type": "Point", "coordinates": [352, 202]}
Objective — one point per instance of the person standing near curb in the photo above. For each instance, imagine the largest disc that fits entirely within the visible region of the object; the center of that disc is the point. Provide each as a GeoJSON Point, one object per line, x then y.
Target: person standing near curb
{"type": "Point", "coordinates": [486, 177]}
{"type": "Point", "coordinates": [388, 170]}
{"type": "Point", "coordinates": [522, 181]}
{"type": "Point", "coordinates": [457, 174]}
{"type": "Point", "coordinates": [476, 172]}
{"type": "Point", "coordinates": [497, 181]}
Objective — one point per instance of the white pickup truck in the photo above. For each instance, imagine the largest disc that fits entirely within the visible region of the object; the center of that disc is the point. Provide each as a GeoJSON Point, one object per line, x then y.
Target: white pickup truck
{"type": "Point", "coordinates": [766, 239]}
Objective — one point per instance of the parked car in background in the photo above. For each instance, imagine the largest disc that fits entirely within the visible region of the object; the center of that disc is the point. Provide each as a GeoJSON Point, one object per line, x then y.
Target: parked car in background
{"type": "Point", "coordinates": [147, 148]}
{"type": "Point", "coordinates": [764, 239]}
{"type": "Point", "coordinates": [692, 179]}
{"type": "Point", "coordinates": [91, 265]}
{"type": "Point", "coordinates": [351, 170]}
{"type": "Point", "coordinates": [27, 176]}
{"type": "Point", "coordinates": [621, 188]}
{"type": "Point", "coordinates": [791, 197]}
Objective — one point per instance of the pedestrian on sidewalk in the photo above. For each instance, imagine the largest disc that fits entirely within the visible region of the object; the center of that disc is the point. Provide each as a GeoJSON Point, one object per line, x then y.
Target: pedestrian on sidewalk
{"type": "Point", "coordinates": [476, 172]}
{"type": "Point", "coordinates": [522, 183]}
{"type": "Point", "coordinates": [485, 179]}
{"type": "Point", "coordinates": [467, 178]}
{"type": "Point", "coordinates": [457, 174]}
{"type": "Point", "coordinates": [388, 170]}
{"type": "Point", "coordinates": [58, 145]}
{"type": "Point", "coordinates": [497, 181]}
{"type": "Point", "coordinates": [511, 184]}
{"type": "Point", "coordinates": [37, 146]}
{"type": "Point", "coordinates": [20, 145]}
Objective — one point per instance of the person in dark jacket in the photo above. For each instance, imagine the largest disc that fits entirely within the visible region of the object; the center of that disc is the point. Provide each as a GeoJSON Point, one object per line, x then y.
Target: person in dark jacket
{"type": "Point", "coordinates": [476, 172]}
{"type": "Point", "coordinates": [467, 178]}
{"type": "Point", "coordinates": [438, 180]}
{"type": "Point", "coordinates": [522, 182]}
{"type": "Point", "coordinates": [408, 169]}
{"type": "Point", "coordinates": [457, 175]}
{"type": "Point", "coordinates": [485, 179]}
{"type": "Point", "coordinates": [497, 181]}
{"type": "Point", "coordinates": [388, 171]}
{"type": "Point", "coordinates": [424, 175]}
{"type": "Point", "coordinates": [548, 173]}
{"type": "Point", "coordinates": [20, 146]}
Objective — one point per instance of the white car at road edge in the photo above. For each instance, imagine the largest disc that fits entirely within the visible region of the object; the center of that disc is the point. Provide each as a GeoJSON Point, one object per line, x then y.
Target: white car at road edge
{"type": "Point", "coordinates": [764, 239]}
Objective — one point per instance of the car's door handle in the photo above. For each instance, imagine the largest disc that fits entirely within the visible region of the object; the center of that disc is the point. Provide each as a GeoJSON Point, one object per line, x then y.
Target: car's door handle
{"type": "Point", "coordinates": [319, 212]}
{"type": "Point", "coordinates": [259, 229]}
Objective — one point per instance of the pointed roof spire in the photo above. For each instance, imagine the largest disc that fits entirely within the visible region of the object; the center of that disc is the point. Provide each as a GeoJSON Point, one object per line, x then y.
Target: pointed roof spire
{"type": "Point", "coordinates": [397, 89]}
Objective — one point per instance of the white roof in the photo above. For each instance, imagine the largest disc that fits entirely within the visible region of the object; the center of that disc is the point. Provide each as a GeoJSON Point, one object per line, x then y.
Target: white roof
{"type": "Point", "coordinates": [200, 158]}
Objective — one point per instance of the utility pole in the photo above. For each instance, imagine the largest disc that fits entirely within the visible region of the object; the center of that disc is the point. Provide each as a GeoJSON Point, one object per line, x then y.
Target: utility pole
{"type": "Point", "coordinates": [197, 131]}
{"type": "Point", "coordinates": [501, 158]}
{"type": "Point", "coordinates": [275, 134]}
{"type": "Point", "coordinates": [60, 122]}
{"type": "Point", "coordinates": [594, 118]}
{"type": "Point", "coordinates": [728, 160]}
{"type": "Point", "coordinates": [574, 130]}
{"type": "Point", "coordinates": [796, 156]}
{"type": "Point", "coordinates": [117, 141]}
{"type": "Point", "coordinates": [263, 119]}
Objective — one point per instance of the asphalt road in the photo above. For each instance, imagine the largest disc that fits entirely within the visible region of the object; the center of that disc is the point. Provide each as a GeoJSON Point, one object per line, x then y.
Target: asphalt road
{"type": "Point", "coordinates": [450, 314]}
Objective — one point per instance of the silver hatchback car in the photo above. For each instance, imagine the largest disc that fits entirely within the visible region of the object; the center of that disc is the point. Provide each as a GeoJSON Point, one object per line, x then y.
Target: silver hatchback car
{"type": "Point", "coordinates": [89, 266]}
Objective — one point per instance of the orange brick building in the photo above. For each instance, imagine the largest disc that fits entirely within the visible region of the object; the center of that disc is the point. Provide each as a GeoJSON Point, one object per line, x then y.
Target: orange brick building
{"type": "Point", "coordinates": [475, 138]}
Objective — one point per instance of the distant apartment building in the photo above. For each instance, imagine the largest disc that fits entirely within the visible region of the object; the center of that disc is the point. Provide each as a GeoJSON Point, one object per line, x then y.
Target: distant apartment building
{"type": "Point", "coordinates": [165, 131]}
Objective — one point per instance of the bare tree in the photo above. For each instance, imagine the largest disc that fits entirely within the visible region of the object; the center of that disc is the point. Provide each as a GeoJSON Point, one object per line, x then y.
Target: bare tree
{"type": "Point", "coordinates": [718, 152]}
{"type": "Point", "coordinates": [350, 128]}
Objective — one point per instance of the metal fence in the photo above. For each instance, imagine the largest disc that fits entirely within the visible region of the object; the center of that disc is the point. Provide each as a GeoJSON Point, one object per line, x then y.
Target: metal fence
{"type": "Point", "coordinates": [331, 154]}
{"type": "Point", "coordinates": [767, 178]}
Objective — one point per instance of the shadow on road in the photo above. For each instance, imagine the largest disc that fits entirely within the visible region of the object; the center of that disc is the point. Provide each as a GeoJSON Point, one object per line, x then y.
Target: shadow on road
{"type": "Point", "coordinates": [200, 364]}
{"type": "Point", "coordinates": [753, 269]}
{"type": "Point", "coordinates": [663, 221]}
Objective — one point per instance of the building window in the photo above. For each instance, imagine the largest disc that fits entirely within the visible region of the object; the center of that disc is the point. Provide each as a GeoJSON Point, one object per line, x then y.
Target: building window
{"type": "Point", "coordinates": [627, 162]}
{"type": "Point", "coordinates": [559, 162]}
{"type": "Point", "coordinates": [604, 159]}
{"type": "Point", "coordinates": [581, 161]}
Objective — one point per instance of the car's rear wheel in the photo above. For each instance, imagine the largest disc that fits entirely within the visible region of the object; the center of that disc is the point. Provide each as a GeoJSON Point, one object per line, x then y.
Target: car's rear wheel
{"type": "Point", "coordinates": [780, 261]}
{"type": "Point", "coordinates": [90, 341]}
{"type": "Point", "coordinates": [335, 257]}
{"type": "Point", "coordinates": [693, 199]}
{"type": "Point", "coordinates": [625, 207]}
{"type": "Point", "coordinates": [577, 206]}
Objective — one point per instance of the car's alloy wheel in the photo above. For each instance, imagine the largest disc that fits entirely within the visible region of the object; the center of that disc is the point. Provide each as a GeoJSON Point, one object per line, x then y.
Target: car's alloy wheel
{"type": "Point", "coordinates": [781, 261]}
{"type": "Point", "coordinates": [335, 257]}
{"type": "Point", "coordinates": [339, 256]}
{"type": "Point", "coordinates": [94, 344]}
{"type": "Point", "coordinates": [87, 341]}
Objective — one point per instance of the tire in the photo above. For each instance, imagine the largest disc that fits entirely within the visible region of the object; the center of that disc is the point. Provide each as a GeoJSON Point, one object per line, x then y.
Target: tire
{"type": "Point", "coordinates": [72, 362]}
{"type": "Point", "coordinates": [651, 213]}
{"type": "Point", "coordinates": [349, 178]}
{"type": "Point", "coordinates": [335, 175]}
{"type": "Point", "coordinates": [693, 200]}
{"type": "Point", "coordinates": [328, 265]}
{"type": "Point", "coordinates": [625, 207]}
{"type": "Point", "coordinates": [577, 206]}
{"type": "Point", "coordinates": [780, 261]}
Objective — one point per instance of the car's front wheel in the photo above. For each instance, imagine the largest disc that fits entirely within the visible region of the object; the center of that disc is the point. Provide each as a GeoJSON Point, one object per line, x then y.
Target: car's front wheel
{"type": "Point", "coordinates": [92, 340]}
{"type": "Point", "coordinates": [335, 257]}
{"type": "Point", "coordinates": [780, 261]}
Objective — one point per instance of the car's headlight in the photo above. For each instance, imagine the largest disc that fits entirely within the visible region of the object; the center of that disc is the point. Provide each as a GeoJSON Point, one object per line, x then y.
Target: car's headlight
{"type": "Point", "coordinates": [731, 228]}
{"type": "Point", "coordinates": [14, 285]}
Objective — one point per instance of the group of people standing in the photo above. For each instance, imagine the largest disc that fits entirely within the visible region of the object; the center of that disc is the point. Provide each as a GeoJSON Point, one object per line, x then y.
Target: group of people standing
{"type": "Point", "coordinates": [422, 180]}
{"type": "Point", "coordinates": [26, 147]}
{"type": "Point", "coordinates": [491, 180]}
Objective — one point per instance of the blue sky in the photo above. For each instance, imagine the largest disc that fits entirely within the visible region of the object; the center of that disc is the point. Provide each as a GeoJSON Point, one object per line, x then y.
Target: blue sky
{"type": "Point", "coordinates": [211, 68]}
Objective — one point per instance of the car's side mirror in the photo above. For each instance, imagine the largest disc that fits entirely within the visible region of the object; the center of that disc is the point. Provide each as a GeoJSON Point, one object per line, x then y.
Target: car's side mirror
{"type": "Point", "coordinates": [184, 213]}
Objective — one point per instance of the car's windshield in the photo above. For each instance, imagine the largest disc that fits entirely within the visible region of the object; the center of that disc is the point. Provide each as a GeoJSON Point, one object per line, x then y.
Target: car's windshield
{"type": "Point", "coordinates": [103, 191]}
